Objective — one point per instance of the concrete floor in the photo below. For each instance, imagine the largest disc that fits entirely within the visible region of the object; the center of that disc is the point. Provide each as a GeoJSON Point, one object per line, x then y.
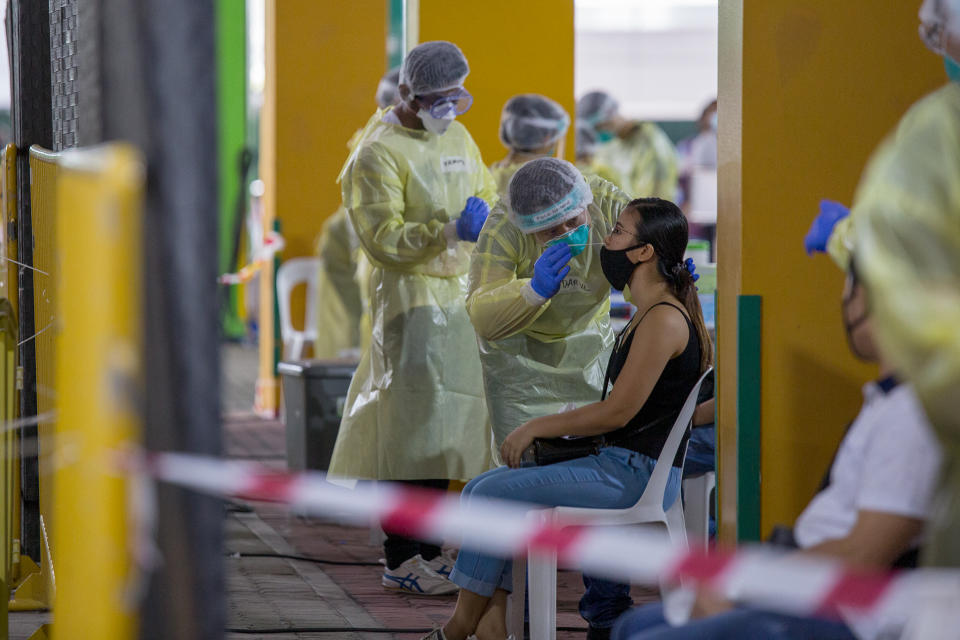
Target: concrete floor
{"type": "Point", "coordinates": [271, 593]}
{"type": "Point", "coordinates": [23, 623]}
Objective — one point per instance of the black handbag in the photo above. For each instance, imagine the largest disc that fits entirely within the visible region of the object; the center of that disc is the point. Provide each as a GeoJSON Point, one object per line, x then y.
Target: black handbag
{"type": "Point", "coordinates": [544, 451]}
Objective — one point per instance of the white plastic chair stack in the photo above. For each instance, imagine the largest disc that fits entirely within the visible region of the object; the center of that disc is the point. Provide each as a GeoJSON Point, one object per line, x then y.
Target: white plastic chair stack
{"type": "Point", "coordinates": [542, 569]}
{"type": "Point", "coordinates": [290, 274]}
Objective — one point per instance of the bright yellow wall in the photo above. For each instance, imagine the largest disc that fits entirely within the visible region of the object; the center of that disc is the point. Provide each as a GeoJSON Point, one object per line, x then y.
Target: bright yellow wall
{"type": "Point", "coordinates": [323, 63]}
{"type": "Point", "coordinates": [806, 94]}
{"type": "Point", "coordinates": [327, 60]}
{"type": "Point", "coordinates": [512, 47]}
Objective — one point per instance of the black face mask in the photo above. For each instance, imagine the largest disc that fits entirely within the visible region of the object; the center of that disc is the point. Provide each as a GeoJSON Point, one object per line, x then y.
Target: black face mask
{"type": "Point", "coordinates": [851, 327]}
{"type": "Point", "coordinates": [617, 267]}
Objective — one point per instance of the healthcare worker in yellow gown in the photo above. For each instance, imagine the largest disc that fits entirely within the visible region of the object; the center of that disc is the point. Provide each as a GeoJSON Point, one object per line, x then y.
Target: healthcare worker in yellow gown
{"type": "Point", "coordinates": [638, 151]}
{"type": "Point", "coordinates": [338, 301]}
{"type": "Point", "coordinates": [531, 126]}
{"type": "Point", "coordinates": [341, 294]}
{"type": "Point", "coordinates": [904, 234]}
{"type": "Point", "coordinates": [587, 161]}
{"type": "Point", "coordinates": [416, 191]}
{"type": "Point", "coordinates": [542, 313]}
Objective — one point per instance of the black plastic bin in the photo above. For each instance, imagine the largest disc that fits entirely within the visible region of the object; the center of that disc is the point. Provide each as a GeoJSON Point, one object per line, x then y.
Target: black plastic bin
{"type": "Point", "coordinates": [314, 392]}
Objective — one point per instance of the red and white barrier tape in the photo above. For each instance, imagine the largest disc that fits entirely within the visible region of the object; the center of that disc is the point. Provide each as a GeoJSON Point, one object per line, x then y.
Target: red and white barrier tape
{"type": "Point", "coordinates": [789, 583]}
{"type": "Point", "coordinates": [272, 243]}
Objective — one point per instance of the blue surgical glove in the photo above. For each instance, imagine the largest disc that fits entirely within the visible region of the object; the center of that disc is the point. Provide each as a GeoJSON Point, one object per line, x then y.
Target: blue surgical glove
{"type": "Point", "coordinates": [472, 218]}
{"type": "Point", "coordinates": [692, 268]}
{"type": "Point", "coordinates": [550, 269]}
{"type": "Point", "coordinates": [830, 214]}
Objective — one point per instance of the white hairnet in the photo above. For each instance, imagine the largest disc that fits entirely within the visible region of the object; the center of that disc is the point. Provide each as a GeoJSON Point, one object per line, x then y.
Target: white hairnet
{"type": "Point", "coordinates": [586, 139]}
{"type": "Point", "coordinates": [387, 89]}
{"type": "Point", "coordinates": [939, 20]}
{"type": "Point", "coordinates": [546, 192]}
{"type": "Point", "coordinates": [530, 121]}
{"type": "Point", "coordinates": [596, 107]}
{"type": "Point", "coordinates": [434, 66]}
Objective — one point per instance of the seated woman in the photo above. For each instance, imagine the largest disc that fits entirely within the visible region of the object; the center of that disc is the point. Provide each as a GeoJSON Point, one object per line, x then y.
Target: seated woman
{"type": "Point", "coordinates": [657, 360]}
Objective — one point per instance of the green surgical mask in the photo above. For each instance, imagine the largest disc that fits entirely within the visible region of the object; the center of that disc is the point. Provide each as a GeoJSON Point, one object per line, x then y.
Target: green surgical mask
{"type": "Point", "coordinates": [604, 136]}
{"type": "Point", "coordinates": [953, 68]}
{"type": "Point", "coordinates": [576, 239]}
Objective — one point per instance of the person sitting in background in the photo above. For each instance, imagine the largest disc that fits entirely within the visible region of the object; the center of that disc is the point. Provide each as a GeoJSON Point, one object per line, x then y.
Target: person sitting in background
{"type": "Point", "coordinates": [639, 151]}
{"type": "Point", "coordinates": [531, 126]}
{"type": "Point", "coordinates": [905, 229]}
{"type": "Point", "coordinates": [871, 511]}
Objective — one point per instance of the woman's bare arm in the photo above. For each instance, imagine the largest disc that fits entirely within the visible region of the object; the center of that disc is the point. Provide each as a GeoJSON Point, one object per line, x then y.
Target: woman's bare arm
{"type": "Point", "coordinates": [662, 335]}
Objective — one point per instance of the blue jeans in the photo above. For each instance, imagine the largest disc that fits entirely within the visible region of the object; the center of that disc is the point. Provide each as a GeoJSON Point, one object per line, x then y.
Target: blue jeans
{"type": "Point", "coordinates": [648, 623]}
{"type": "Point", "coordinates": [701, 451]}
{"type": "Point", "coordinates": [613, 479]}
{"type": "Point", "coordinates": [701, 458]}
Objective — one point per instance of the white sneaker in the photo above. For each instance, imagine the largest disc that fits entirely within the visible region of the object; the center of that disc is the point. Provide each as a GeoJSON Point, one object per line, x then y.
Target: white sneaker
{"type": "Point", "coordinates": [416, 578]}
{"type": "Point", "coordinates": [442, 565]}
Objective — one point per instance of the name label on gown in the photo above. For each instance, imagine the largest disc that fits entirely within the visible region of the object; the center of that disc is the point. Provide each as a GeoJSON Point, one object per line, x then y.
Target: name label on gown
{"type": "Point", "coordinates": [574, 285]}
{"type": "Point", "coordinates": [453, 164]}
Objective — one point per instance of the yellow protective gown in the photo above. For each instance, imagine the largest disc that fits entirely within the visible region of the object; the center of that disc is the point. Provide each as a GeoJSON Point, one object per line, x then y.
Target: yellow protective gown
{"type": "Point", "coordinates": [904, 230]}
{"type": "Point", "coordinates": [339, 301]}
{"type": "Point", "coordinates": [539, 357]}
{"type": "Point", "coordinates": [646, 159]}
{"type": "Point", "coordinates": [502, 171]}
{"type": "Point", "coordinates": [415, 406]}
{"type": "Point", "coordinates": [596, 168]}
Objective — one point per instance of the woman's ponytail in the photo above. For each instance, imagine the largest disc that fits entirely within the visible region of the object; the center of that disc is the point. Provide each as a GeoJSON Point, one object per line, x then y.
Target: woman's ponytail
{"type": "Point", "coordinates": [686, 292]}
{"type": "Point", "coordinates": [664, 226]}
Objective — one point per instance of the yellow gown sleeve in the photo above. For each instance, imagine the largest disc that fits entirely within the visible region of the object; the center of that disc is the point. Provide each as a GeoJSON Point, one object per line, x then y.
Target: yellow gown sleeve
{"type": "Point", "coordinates": [840, 242]}
{"type": "Point", "coordinates": [608, 197]}
{"type": "Point", "coordinates": [599, 169]}
{"type": "Point", "coordinates": [653, 171]}
{"type": "Point", "coordinates": [496, 299]}
{"type": "Point", "coordinates": [336, 250]}
{"type": "Point", "coordinates": [486, 183]}
{"type": "Point", "coordinates": [374, 195]}
{"type": "Point", "coordinates": [906, 224]}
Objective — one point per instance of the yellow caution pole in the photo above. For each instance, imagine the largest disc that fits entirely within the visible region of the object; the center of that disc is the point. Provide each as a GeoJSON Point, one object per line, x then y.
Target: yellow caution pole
{"type": "Point", "coordinates": [99, 385]}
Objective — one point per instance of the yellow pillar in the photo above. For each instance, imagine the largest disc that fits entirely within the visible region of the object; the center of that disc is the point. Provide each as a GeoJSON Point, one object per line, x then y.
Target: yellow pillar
{"type": "Point", "coordinates": [807, 90]}
{"type": "Point", "coordinates": [512, 47]}
{"type": "Point", "coordinates": [99, 391]}
{"type": "Point", "coordinates": [323, 63]}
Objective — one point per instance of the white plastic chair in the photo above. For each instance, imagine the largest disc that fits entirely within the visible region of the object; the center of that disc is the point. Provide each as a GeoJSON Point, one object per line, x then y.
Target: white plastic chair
{"type": "Point", "coordinates": [542, 568]}
{"type": "Point", "coordinates": [290, 274]}
{"type": "Point", "coordinates": [696, 505]}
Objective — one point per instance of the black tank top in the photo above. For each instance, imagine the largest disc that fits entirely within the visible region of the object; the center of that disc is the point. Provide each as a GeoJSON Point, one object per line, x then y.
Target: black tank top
{"type": "Point", "coordinates": [648, 430]}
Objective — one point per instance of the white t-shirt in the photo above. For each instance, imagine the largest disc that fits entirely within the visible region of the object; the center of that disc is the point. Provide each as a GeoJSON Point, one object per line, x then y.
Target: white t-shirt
{"type": "Point", "coordinates": [887, 462]}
